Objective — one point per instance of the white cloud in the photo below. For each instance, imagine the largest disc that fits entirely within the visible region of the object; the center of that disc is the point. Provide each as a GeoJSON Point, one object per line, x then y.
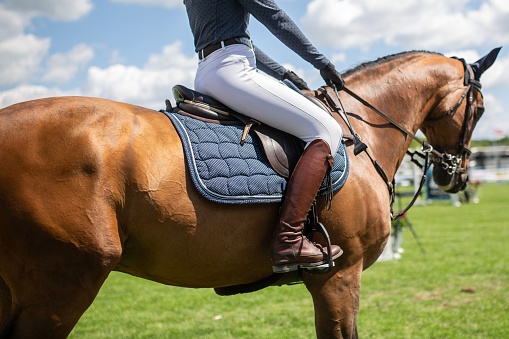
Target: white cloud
{"type": "Point", "coordinates": [469, 55]}
{"type": "Point", "coordinates": [147, 86]}
{"type": "Point", "coordinates": [62, 67]}
{"type": "Point", "coordinates": [338, 57]}
{"type": "Point", "coordinates": [411, 24]}
{"type": "Point", "coordinates": [164, 3]}
{"type": "Point", "coordinates": [64, 10]}
{"type": "Point", "coordinates": [172, 57]}
{"type": "Point", "coordinates": [11, 23]}
{"type": "Point", "coordinates": [30, 92]}
{"type": "Point", "coordinates": [495, 117]}
{"type": "Point", "coordinates": [20, 57]}
{"type": "Point", "coordinates": [116, 58]}
{"type": "Point", "coordinates": [21, 54]}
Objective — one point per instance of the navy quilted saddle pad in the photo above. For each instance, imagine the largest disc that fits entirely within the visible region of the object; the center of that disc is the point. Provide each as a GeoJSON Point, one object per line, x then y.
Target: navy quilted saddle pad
{"type": "Point", "coordinates": [225, 171]}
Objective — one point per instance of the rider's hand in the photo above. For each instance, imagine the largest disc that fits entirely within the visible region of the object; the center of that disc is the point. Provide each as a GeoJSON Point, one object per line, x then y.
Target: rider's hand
{"type": "Point", "coordinates": [331, 76]}
{"type": "Point", "coordinates": [295, 79]}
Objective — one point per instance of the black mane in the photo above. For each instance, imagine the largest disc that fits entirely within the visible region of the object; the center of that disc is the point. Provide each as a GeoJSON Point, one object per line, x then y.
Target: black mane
{"type": "Point", "coordinates": [382, 60]}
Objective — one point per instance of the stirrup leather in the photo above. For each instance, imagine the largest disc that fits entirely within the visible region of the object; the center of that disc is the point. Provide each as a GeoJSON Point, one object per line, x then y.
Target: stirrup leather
{"type": "Point", "coordinates": [314, 225]}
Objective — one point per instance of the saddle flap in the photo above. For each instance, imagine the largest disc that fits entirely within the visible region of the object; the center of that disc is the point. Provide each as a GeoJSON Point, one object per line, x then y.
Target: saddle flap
{"type": "Point", "coordinates": [281, 149]}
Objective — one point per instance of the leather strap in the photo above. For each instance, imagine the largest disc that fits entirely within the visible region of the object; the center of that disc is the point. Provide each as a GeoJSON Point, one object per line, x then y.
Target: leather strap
{"type": "Point", "coordinates": [214, 47]}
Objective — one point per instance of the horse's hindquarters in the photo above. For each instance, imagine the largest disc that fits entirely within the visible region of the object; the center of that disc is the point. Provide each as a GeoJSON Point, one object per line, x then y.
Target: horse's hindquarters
{"type": "Point", "coordinates": [60, 184]}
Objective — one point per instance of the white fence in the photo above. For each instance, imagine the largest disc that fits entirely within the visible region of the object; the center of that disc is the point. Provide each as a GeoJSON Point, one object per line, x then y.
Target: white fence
{"type": "Point", "coordinates": [487, 164]}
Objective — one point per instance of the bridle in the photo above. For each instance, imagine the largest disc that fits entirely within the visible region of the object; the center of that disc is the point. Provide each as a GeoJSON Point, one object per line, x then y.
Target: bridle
{"type": "Point", "coordinates": [451, 163]}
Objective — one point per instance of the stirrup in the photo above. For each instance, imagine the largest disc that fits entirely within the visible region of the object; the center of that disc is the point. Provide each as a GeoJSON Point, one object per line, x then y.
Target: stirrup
{"type": "Point", "coordinates": [325, 265]}
{"type": "Point", "coordinates": [314, 225]}
{"type": "Point", "coordinates": [320, 267]}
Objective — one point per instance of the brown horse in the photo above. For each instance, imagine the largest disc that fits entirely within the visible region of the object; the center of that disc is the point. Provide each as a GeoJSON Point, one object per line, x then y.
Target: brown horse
{"type": "Point", "coordinates": [88, 186]}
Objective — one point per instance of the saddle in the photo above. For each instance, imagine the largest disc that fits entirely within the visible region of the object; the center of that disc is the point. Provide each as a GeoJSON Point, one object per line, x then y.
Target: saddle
{"type": "Point", "coordinates": [281, 149]}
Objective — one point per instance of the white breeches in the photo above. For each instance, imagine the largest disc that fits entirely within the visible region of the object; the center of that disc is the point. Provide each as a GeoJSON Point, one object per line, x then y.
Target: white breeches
{"type": "Point", "coordinates": [230, 76]}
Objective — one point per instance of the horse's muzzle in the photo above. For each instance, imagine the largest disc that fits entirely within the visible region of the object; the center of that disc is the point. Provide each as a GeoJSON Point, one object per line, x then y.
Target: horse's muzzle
{"type": "Point", "coordinates": [450, 183]}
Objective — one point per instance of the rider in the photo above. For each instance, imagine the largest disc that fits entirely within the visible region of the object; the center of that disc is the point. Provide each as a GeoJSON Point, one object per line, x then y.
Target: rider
{"type": "Point", "coordinates": [228, 72]}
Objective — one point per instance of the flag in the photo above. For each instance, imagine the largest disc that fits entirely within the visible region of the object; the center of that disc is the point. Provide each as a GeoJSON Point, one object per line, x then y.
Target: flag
{"type": "Point", "coordinates": [499, 132]}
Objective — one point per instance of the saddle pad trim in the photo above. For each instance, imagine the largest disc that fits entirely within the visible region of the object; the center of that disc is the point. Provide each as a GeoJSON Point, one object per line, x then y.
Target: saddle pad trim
{"type": "Point", "coordinates": [275, 194]}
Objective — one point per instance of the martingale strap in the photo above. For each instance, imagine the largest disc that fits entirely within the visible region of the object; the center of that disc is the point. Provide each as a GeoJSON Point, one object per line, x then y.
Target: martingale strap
{"type": "Point", "coordinates": [427, 148]}
{"type": "Point", "coordinates": [424, 168]}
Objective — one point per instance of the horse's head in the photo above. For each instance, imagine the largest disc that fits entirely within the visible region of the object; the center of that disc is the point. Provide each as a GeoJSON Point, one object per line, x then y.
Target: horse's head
{"type": "Point", "coordinates": [450, 124]}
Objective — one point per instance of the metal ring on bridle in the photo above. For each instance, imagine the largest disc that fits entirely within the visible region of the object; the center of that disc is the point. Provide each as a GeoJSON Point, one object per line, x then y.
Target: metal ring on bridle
{"type": "Point", "coordinates": [449, 162]}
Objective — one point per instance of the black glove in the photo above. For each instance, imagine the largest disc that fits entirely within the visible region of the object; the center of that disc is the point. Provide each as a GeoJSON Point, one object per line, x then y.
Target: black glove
{"type": "Point", "coordinates": [331, 76]}
{"type": "Point", "coordinates": [295, 79]}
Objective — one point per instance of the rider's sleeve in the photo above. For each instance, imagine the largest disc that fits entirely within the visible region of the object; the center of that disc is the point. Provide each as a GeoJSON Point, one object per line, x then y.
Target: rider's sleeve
{"type": "Point", "coordinates": [267, 65]}
{"type": "Point", "coordinates": [283, 27]}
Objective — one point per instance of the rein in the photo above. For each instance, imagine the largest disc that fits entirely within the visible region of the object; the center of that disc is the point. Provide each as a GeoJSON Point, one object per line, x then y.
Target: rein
{"type": "Point", "coordinates": [449, 162]}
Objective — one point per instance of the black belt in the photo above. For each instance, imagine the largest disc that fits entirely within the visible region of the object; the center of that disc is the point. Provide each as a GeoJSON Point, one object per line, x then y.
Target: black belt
{"type": "Point", "coordinates": [214, 47]}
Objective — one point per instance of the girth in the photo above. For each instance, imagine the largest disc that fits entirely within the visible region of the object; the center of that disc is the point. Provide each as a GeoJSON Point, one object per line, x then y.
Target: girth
{"type": "Point", "coordinates": [281, 149]}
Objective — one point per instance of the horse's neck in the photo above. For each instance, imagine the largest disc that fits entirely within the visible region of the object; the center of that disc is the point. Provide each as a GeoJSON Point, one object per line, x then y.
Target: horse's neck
{"type": "Point", "coordinates": [406, 100]}
{"type": "Point", "coordinates": [399, 89]}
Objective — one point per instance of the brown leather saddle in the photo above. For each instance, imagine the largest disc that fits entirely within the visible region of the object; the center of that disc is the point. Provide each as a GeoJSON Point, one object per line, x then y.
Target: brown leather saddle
{"type": "Point", "coordinates": [281, 149]}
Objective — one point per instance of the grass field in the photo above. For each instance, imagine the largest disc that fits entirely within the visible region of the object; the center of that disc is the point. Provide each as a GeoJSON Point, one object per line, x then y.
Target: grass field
{"type": "Point", "coordinates": [458, 289]}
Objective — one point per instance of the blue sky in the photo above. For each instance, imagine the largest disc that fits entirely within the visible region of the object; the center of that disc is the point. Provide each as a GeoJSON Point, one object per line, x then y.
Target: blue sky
{"type": "Point", "coordinates": [136, 50]}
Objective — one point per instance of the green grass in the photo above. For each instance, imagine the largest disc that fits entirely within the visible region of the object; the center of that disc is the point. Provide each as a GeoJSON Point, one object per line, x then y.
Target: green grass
{"type": "Point", "coordinates": [458, 289]}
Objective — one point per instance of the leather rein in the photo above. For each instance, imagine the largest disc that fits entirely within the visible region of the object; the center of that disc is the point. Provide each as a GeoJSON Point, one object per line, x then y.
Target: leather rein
{"type": "Point", "coordinates": [451, 163]}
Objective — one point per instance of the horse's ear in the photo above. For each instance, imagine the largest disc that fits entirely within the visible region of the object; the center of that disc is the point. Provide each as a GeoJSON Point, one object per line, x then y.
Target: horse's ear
{"type": "Point", "coordinates": [484, 63]}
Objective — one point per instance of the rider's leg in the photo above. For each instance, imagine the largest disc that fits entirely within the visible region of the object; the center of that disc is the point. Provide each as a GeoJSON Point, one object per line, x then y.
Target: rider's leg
{"type": "Point", "coordinates": [290, 249]}
{"type": "Point", "coordinates": [231, 77]}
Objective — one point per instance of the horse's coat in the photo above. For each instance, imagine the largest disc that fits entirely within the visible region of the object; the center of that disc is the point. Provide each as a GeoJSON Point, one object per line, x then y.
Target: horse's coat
{"type": "Point", "coordinates": [88, 186]}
